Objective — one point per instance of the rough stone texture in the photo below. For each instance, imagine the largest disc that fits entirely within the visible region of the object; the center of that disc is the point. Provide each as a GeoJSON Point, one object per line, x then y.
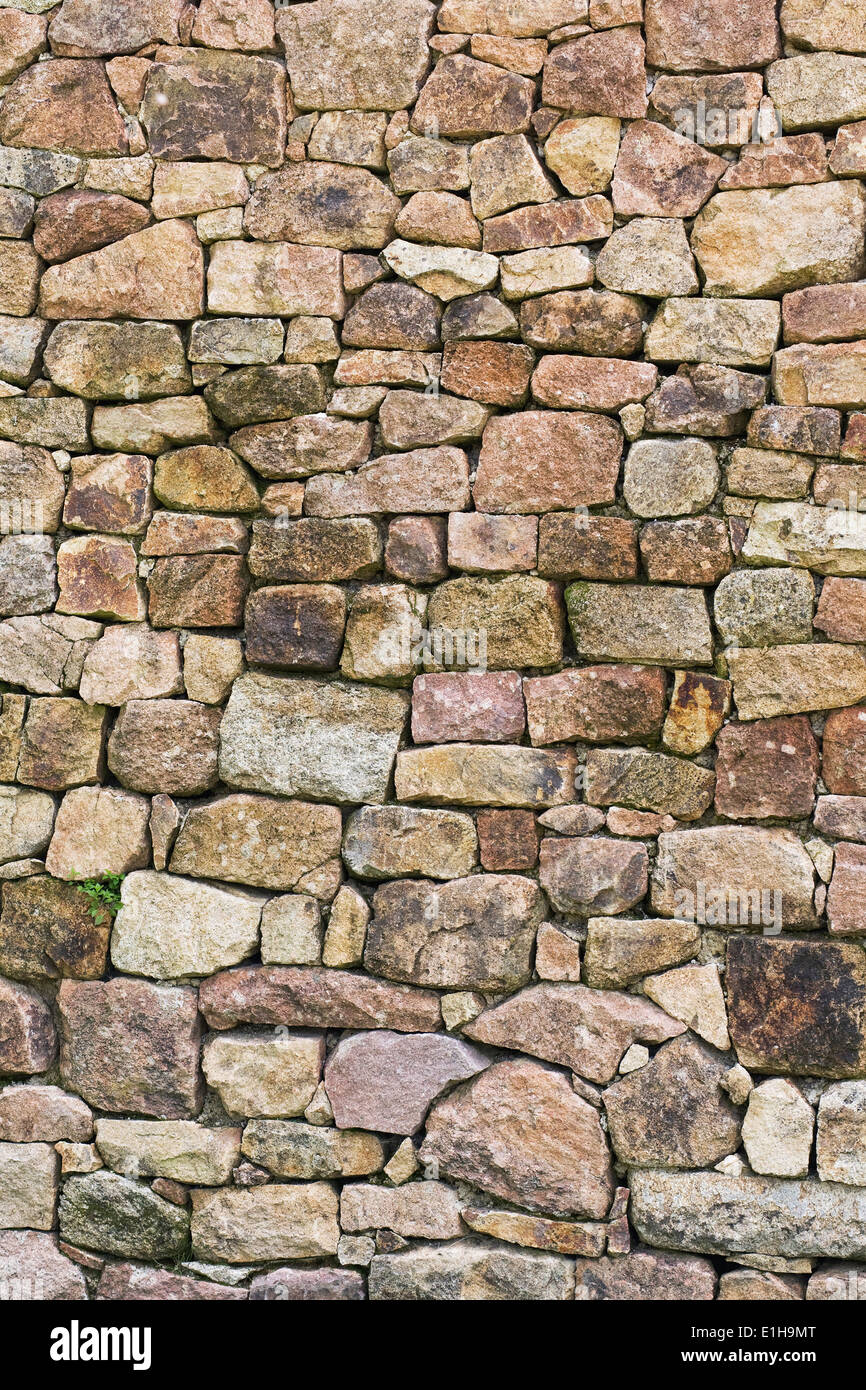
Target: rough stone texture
{"type": "Point", "coordinates": [386, 1081]}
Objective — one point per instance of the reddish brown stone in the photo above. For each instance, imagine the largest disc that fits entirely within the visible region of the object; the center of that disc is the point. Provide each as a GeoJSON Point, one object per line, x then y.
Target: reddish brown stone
{"type": "Point", "coordinates": [393, 316]}
{"type": "Point", "coordinates": [183, 533]}
{"type": "Point", "coordinates": [844, 765]}
{"type": "Point", "coordinates": [79, 220]}
{"type": "Point", "coordinates": [28, 1041]}
{"type": "Point", "coordinates": [846, 899]}
{"type": "Point", "coordinates": [840, 485]}
{"type": "Point", "coordinates": [99, 579]}
{"type": "Point", "coordinates": [167, 746]}
{"type": "Point", "coordinates": [493, 373]}
{"type": "Point", "coordinates": [461, 706]}
{"type": "Point", "coordinates": [483, 544]}
{"type": "Point", "coordinates": [315, 998]}
{"type": "Point", "coordinates": [693, 551]}
{"type": "Point", "coordinates": [786, 160]}
{"type": "Point", "coordinates": [843, 817]}
{"type": "Point", "coordinates": [296, 627]}
{"type": "Point", "coordinates": [597, 877]}
{"type": "Point", "coordinates": [599, 75]}
{"type": "Point", "coordinates": [109, 492]}
{"type": "Point", "coordinates": [32, 1114]}
{"type": "Point", "coordinates": [416, 549]}
{"type": "Point", "coordinates": [797, 1008]}
{"type": "Point", "coordinates": [62, 744]}
{"type": "Point", "coordinates": [848, 155]}
{"type": "Point", "coordinates": [599, 323]}
{"type": "Point", "coordinates": [129, 1045]}
{"type": "Point", "coordinates": [314, 550]}
{"type": "Point", "coordinates": [309, 444]}
{"type": "Point", "coordinates": [203, 104]}
{"type": "Point", "coordinates": [698, 707]}
{"type": "Point", "coordinates": [467, 99]}
{"type": "Point", "coordinates": [508, 840]}
{"type": "Point", "coordinates": [591, 383]}
{"type": "Point", "coordinates": [687, 36]}
{"type": "Point", "coordinates": [562, 223]}
{"type": "Point", "coordinates": [386, 1081]}
{"type": "Point", "coordinates": [582, 546]}
{"type": "Point", "coordinates": [143, 1283]}
{"type": "Point", "coordinates": [47, 931]}
{"type": "Point", "coordinates": [320, 204]}
{"type": "Point", "coordinates": [661, 174]}
{"type": "Point", "coordinates": [854, 444]}
{"type": "Point", "coordinates": [22, 39]}
{"type": "Point", "coordinates": [197, 591]}
{"type": "Point", "coordinates": [842, 610]}
{"type": "Point", "coordinates": [800, 428]}
{"type": "Point", "coordinates": [539, 461]}
{"type": "Point", "coordinates": [63, 104]}
{"type": "Point", "coordinates": [717, 110]}
{"type": "Point", "coordinates": [308, 1286]}
{"type": "Point", "coordinates": [766, 768]}
{"type": "Point", "coordinates": [599, 704]}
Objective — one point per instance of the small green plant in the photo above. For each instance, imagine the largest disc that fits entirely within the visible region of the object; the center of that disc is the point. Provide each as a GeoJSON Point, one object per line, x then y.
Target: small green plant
{"type": "Point", "coordinates": [103, 896]}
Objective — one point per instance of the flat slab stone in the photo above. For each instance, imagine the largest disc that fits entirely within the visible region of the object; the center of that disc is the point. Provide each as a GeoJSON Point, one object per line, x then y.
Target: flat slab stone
{"type": "Point", "coordinates": [315, 998]}
{"type": "Point", "coordinates": [470, 1269]}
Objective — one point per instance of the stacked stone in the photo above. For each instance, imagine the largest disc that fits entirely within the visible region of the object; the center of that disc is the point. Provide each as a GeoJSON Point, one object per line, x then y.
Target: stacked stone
{"type": "Point", "coordinates": [432, 452]}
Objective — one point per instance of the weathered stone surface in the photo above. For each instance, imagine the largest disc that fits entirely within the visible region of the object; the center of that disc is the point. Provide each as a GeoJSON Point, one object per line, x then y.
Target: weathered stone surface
{"type": "Point", "coordinates": [131, 663]}
{"type": "Point", "coordinates": [393, 316]}
{"type": "Point", "coordinates": [315, 999]}
{"type": "Point", "coordinates": [19, 278]}
{"type": "Point", "coordinates": [62, 744]}
{"type": "Point", "coordinates": [472, 775]}
{"type": "Point", "coordinates": [484, 707]}
{"type": "Point", "coordinates": [672, 1111]}
{"type": "Point", "coordinates": [20, 348]}
{"type": "Point", "coordinates": [496, 608]}
{"type": "Point", "coordinates": [393, 841]}
{"type": "Point", "coordinates": [844, 750]}
{"type": "Point", "coordinates": [201, 103]}
{"type": "Point", "coordinates": [117, 360]}
{"type": "Point", "coordinates": [661, 174]}
{"type": "Point", "coordinates": [683, 37]}
{"type": "Point", "coordinates": [29, 1186]}
{"type": "Point", "coordinates": [698, 707]}
{"type": "Point", "coordinates": [730, 333]}
{"type": "Point", "coordinates": [110, 1213]}
{"type": "Point", "coordinates": [818, 89]}
{"type": "Point", "coordinates": [26, 821]}
{"type": "Point", "coordinates": [467, 99]}
{"type": "Point", "coordinates": [144, 1283]}
{"type": "Point", "coordinates": [795, 1007]}
{"type": "Point", "coordinates": [587, 877]}
{"type": "Point", "coordinates": [845, 901]}
{"type": "Point", "coordinates": [153, 428]}
{"type": "Point", "coordinates": [841, 614]}
{"type": "Point", "coordinates": [716, 1213]}
{"type": "Point", "coordinates": [582, 546]}
{"type": "Point", "coordinates": [539, 461]}
{"type": "Point", "coordinates": [632, 623]}
{"type": "Point", "coordinates": [277, 1222]}
{"type": "Point", "coordinates": [28, 1041]}
{"type": "Point", "coordinates": [308, 1285]}
{"type": "Point", "coordinates": [129, 1045]}
{"type": "Point", "coordinates": [694, 995]}
{"type": "Point", "coordinates": [32, 1113]}
{"type": "Point", "coordinates": [99, 831]}
{"type": "Point", "coordinates": [670, 477]}
{"type": "Point", "coordinates": [794, 680]}
{"type": "Point", "coordinates": [474, 933]}
{"type": "Point", "coordinates": [197, 591]}
{"type": "Point", "coordinates": [267, 742]}
{"type": "Point", "coordinates": [427, 1209]}
{"type": "Point", "coordinates": [312, 550]}
{"type": "Point", "coordinates": [765, 608]}
{"type": "Point", "coordinates": [778, 1129]}
{"type": "Point", "coordinates": [733, 863]}
{"type": "Point", "coordinates": [166, 746]}
{"type": "Point", "coordinates": [310, 444]}
{"type": "Point", "coordinates": [176, 1149]}
{"type": "Point", "coordinates": [169, 926]}
{"type": "Point", "coordinates": [585, 1029]}
{"type": "Point", "coordinates": [247, 277]}
{"type": "Point", "coordinates": [387, 1081]}
{"type": "Point", "coordinates": [841, 1141]}
{"type": "Point", "coordinates": [154, 272]}
{"type": "Point", "coordinates": [409, 420]}
{"type": "Point", "coordinates": [765, 769]}
{"type": "Point", "coordinates": [596, 322]}
{"type": "Point", "coordinates": [482, 544]}
{"type": "Point", "coordinates": [582, 153]}
{"type": "Point", "coordinates": [263, 1073]}
{"type": "Point", "coordinates": [447, 272]}
{"type": "Point", "coordinates": [63, 105]}
{"type": "Point", "coordinates": [32, 1268]}
{"type": "Point", "coordinates": [424, 480]}
{"type": "Point", "coordinates": [322, 204]}
{"type": "Point", "coordinates": [261, 841]}
{"type": "Point", "coordinates": [791, 254]}
{"type": "Point", "coordinates": [561, 223]}
{"type": "Point", "coordinates": [329, 68]}
{"type": "Point", "coordinates": [620, 952]}
{"type": "Point", "coordinates": [591, 383]}
{"type": "Point", "coordinates": [469, 1269]}
{"type": "Point", "coordinates": [293, 1150]}
{"type": "Point", "coordinates": [645, 1275]}
{"type": "Point", "coordinates": [598, 704]}
{"type": "Point", "coordinates": [28, 575]}
{"type": "Point", "coordinates": [600, 74]}
{"type": "Point", "coordinates": [110, 493]}
{"type": "Point", "coordinates": [837, 1282]}
{"type": "Point", "coordinates": [648, 781]}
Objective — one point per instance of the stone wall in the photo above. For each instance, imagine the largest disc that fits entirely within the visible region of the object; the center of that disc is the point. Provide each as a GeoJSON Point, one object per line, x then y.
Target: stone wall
{"type": "Point", "coordinates": [432, 445]}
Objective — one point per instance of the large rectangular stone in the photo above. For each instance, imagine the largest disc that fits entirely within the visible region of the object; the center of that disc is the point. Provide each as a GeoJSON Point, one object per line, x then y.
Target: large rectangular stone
{"type": "Point", "coordinates": [796, 679]}
{"type": "Point", "coordinates": [629, 622]}
{"type": "Point", "coordinates": [466, 774]}
{"type": "Point", "coordinates": [284, 1221]}
{"type": "Point", "coordinates": [828, 540]}
{"type": "Point", "coordinates": [268, 278]}
{"type": "Point", "coordinates": [730, 333]}
{"type": "Point", "coordinates": [331, 742]}
{"type": "Point", "coordinates": [715, 1213]}
{"type": "Point", "coordinates": [712, 876]}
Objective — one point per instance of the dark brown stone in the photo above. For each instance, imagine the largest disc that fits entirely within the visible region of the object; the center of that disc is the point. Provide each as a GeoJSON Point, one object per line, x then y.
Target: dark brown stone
{"type": "Point", "coordinates": [598, 75]}
{"type": "Point", "coordinates": [47, 931]}
{"type": "Point", "coordinates": [416, 550]}
{"type": "Point", "coordinates": [599, 323]}
{"type": "Point", "coordinates": [583, 546]}
{"type": "Point", "coordinates": [493, 373]}
{"type": "Point", "coordinates": [599, 704]}
{"type": "Point", "coordinates": [297, 627]}
{"type": "Point", "coordinates": [393, 315]}
{"type": "Point", "coordinates": [696, 550]}
{"type": "Point", "coordinates": [593, 877]}
{"type": "Point", "coordinates": [201, 104]}
{"type": "Point", "coordinates": [197, 591]}
{"type": "Point", "coordinates": [705, 400]}
{"type": "Point", "coordinates": [315, 550]}
{"type": "Point", "coordinates": [508, 840]}
{"type": "Point", "coordinates": [79, 220]}
{"type": "Point", "coordinates": [254, 395]}
{"type": "Point", "coordinates": [797, 1008]}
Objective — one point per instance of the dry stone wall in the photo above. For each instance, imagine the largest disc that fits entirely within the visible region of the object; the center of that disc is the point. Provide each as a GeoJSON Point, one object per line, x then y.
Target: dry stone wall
{"type": "Point", "coordinates": [433, 649]}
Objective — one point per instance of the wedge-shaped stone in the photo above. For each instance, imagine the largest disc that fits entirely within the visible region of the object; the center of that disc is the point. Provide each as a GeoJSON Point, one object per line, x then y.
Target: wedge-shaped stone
{"type": "Point", "coordinates": [386, 1081]}
{"type": "Point", "coordinates": [466, 774]}
{"type": "Point", "coordinates": [796, 1008]}
{"type": "Point", "coordinates": [625, 622]}
{"type": "Point", "coordinates": [176, 1149]}
{"type": "Point", "coordinates": [170, 926]}
{"type": "Point", "coordinates": [311, 738]}
{"type": "Point", "coordinates": [547, 461]}
{"type": "Point", "coordinates": [673, 1111]}
{"type": "Point", "coordinates": [319, 204]}
{"type": "Point", "coordinates": [648, 782]}
{"type": "Point", "coordinates": [393, 841]}
{"type": "Point", "coordinates": [730, 333]}
{"type": "Point", "coordinates": [469, 1269]}
{"type": "Point", "coordinates": [129, 1045]}
{"type": "Point", "coordinates": [116, 1216]}
{"type": "Point", "coordinates": [519, 1131]}
{"type": "Point", "coordinates": [693, 994]}
{"type": "Point", "coordinates": [264, 1073]}
{"type": "Point", "coordinates": [600, 74]}
{"type": "Point", "coordinates": [278, 1222]}
{"type": "Point", "coordinates": [765, 241]}
{"type": "Point", "coordinates": [251, 277]}
{"type": "Point", "coordinates": [777, 1217]}
{"type": "Point", "coordinates": [648, 256]}
{"type": "Point", "coordinates": [65, 105]}
{"type": "Point", "coordinates": [619, 952]}
{"type": "Point", "coordinates": [661, 174]}
{"type": "Point", "coordinates": [475, 933]}
{"type": "Point", "coordinates": [340, 56]}
{"type": "Point", "coordinates": [425, 480]}
{"type": "Point", "coordinates": [584, 1029]}
{"type": "Point", "coordinates": [645, 1276]}
{"type": "Point", "coordinates": [155, 273]}
{"type": "Point", "coordinates": [715, 873]}
{"type": "Point", "coordinates": [314, 998]}
{"type": "Point", "coordinates": [818, 89]}
{"type": "Point", "coordinates": [538, 1232]}
{"type": "Point", "coordinates": [796, 680]}
{"type": "Point", "coordinates": [262, 841]}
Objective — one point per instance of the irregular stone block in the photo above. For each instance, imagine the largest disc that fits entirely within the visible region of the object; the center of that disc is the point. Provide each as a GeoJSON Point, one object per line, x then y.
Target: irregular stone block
{"type": "Point", "coordinates": [277, 1222]}
{"type": "Point", "coordinates": [682, 37]}
{"type": "Point", "coordinates": [157, 271]}
{"type": "Point", "coordinates": [794, 680]}
{"type": "Point", "coordinates": [258, 840]}
{"type": "Point", "coordinates": [469, 1269]}
{"type": "Point", "coordinates": [619, 952]}
{"type": "Point", "coordinates": [330, 69]}
{"type": "Point", "coordinates": [393, 841]}
{"type": "Point", "coordinates": [168, 746]}
{"type": "Point", "coordinates": [28, 1041]}
{"type": "Point", "coordinates": [631, 623]}
{"type": "Point", "coordinates": [766, 769]}
{"type": "Point", "coordinates": [386, 1081]}
{"type": "Point", "coordinates": [732, 864]}
{"type": "Point", "coordinates": [293, 1150]}
{"type": "Point", "coordinates": [106, 1212]}
{"type": "Point", "coordinates": [468, 775]}
{"type": "Point", "coordinates": [314, 550]}
{"type": "Point", "coordinates": [429, 1210]}
{"type": "Point", "coordinates": [599, 74]}
{"type": "Point", "coordinates": [32, 1268]}
{"type": "Point", "coordinates": [424, 480]}
{"type": "Point", "coordinates": [539, 461]}
{"type": "Point", "coordinates": [247, 277]}
{"type": "Point", "coordinates": [315, 998]}
{"type": "Point", "coordinates": [28, 1190]}
{"type": "Point", "coordinates": [321, 204]}
{"type": "Point", "coordinates": [467, 99]}
{"type": "Point", "coordinates": [152, 931]}
{"type": "Point", "coordinates": [204, 104]}
{"type": "Point", "coordinates": [264, 1073]}
{"type": "Point", "coordinates": [177, 1149]}
{"type": "Point", "coordinates": [648, 781]}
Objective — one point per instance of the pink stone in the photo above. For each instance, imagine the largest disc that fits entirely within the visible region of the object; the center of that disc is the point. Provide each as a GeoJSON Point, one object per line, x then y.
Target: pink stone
{"type": "Point", "coordinates": [464, 707]}
{"type": "Point", "coordinates": [387, 1081]}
